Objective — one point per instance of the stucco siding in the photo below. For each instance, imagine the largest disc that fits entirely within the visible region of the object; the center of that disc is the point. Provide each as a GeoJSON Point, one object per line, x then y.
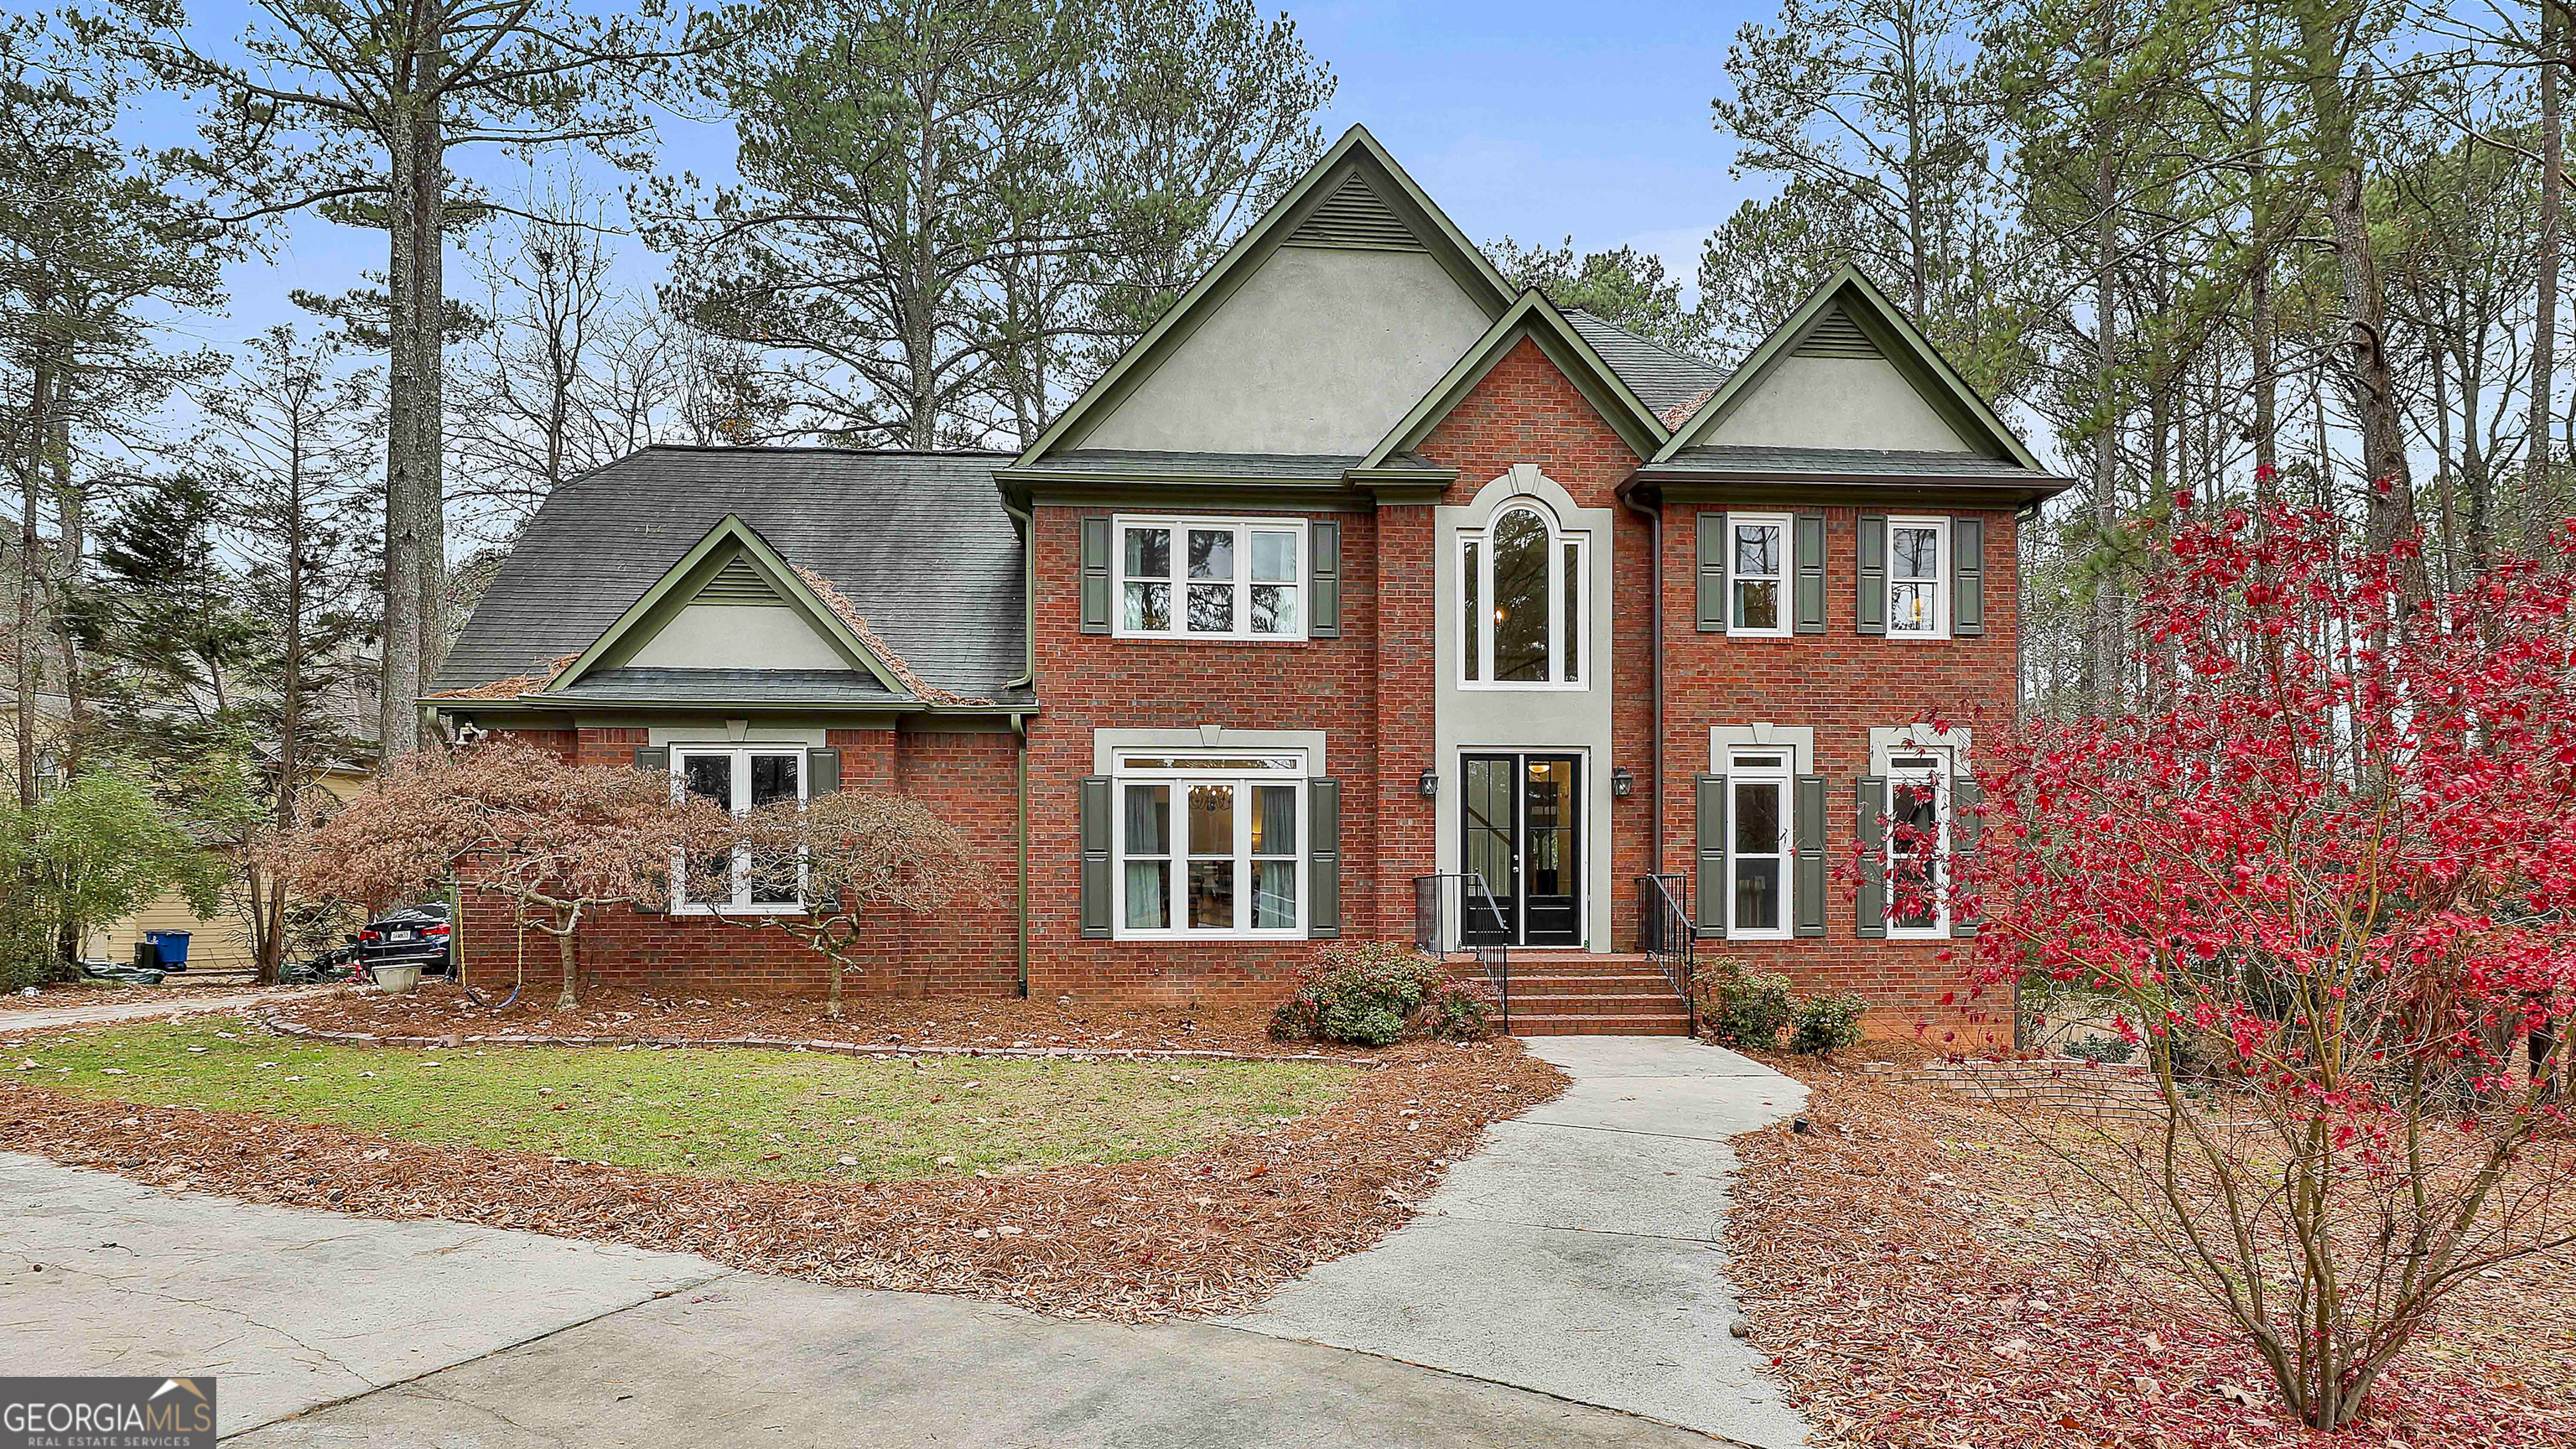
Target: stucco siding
{"type": "Point", "coordinates": [738, 636]}
{"type": "Point", "coordinates": [1836, 402]}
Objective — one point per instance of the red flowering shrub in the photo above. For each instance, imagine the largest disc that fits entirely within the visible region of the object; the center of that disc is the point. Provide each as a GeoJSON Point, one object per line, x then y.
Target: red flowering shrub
{"type": "Point", "coordinates": [2326, 870]}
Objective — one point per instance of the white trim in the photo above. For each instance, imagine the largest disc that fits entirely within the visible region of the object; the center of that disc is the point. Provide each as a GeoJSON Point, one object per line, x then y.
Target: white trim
{"type": "Point", "coordinates": [1886, 741]}
{"type": "Point", "coordinates": [1782, 776]}
{"type": "Point", "coordinates": [1782, 577]}
{"type": "Point", "coordinates": [1476, 635]}
{"type": "Point", "coordinates": [1178, 583]}
{"type": "Point", "coordinates": [1106, 744]}
{"type": "Point", "coordinates": [1171, 767]}
{"type": "Point", "coordinates": [739, 902]}
{"type": "Point", "coordinates": [1943, 564]}
{"type": "Point", "coordinates": [1762, 734]}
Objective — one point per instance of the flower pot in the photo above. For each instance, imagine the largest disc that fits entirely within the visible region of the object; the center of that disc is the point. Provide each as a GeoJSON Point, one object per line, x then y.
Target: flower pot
{"type": "Point", "coordinates": [395, 980]}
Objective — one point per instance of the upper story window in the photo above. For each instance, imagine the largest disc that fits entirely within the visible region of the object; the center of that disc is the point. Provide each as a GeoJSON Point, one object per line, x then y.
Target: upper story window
{"type": "Point", "coordinates": [1757, 584]}
{"type": "Point", "coordinates": [1918, 843]}
{"type": "Point", "coordinates": [1918, 578]}
{"type": "Point", "coordinates": [1522, 603]}
{"type": "Point", "coordinates": [1211, 578]}
{"type": "Point", "coordinates": [1210, 844]}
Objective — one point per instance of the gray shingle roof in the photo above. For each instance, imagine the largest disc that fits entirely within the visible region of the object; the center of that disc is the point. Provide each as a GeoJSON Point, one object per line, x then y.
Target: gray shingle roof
{"type": "Point", "coordinates": [1299, 466]}
{"type": "Point", "coordinates": [1661, 378]}
{"type": "Point", "coordinates": [1759, 462]}
{"type": "Point", "coordinates": [632, 685]}
{"type": "Point", "coordinates": [917, 541]}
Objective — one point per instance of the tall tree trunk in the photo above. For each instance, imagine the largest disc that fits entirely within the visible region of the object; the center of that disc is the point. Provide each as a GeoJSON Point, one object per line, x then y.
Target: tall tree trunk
{"type": "Point", "coordinates": [71, 545]}
{"type": "Point", "coordinates": [2535, 510]}
{"type": "Point", "coordinates": [397, 719]}
{"type": "Point", "coordinates": [29, 642]}
{"type": "Point", "coordinates": [2107, 670]}
{"type": "Point", "coordinates": [429, 257]}
{"type": "Point", "coordinates": [2260, 338]}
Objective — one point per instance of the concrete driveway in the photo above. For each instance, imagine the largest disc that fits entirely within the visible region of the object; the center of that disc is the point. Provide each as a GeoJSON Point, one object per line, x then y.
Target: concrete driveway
{"type": "Point", "coordinates": [20, 1015]}
{"type": "Point", "coordinates": [329, 1330]}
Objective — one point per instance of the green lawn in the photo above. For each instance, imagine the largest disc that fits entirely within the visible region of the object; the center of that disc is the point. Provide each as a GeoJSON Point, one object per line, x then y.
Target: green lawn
{"type": "Point", "coordinates": [720, 1113]}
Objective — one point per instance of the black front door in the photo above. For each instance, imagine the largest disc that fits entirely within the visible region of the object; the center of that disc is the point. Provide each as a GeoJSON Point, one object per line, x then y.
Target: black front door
{"type": "Point", "coordinates": [1521, 829]}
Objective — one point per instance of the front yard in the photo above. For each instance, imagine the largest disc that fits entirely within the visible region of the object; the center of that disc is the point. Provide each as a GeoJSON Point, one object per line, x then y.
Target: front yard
{"type": "Point", "coordinates": [728, 1113]}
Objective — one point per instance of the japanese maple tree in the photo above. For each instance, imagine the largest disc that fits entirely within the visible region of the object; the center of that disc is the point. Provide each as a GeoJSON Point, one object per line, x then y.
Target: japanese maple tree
{"type": "Point", "coordinates": [2324, 873]}
{"type": "Point", "coordinates": [844, 854]}
{"type": "Point", "coordinates": [558, 842]}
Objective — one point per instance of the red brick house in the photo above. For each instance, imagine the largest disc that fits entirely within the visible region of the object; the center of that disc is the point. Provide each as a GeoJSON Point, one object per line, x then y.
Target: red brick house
{"type": "Point", "coordinates": [1359, 575]}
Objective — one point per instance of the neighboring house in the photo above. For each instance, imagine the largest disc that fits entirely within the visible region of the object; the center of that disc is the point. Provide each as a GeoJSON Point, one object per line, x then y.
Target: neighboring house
{"type": "Point", "coordinates": [1357, 568]}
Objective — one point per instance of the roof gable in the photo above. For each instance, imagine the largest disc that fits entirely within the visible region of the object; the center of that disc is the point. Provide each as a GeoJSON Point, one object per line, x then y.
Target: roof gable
{"type": "Point", "coordinates": [1848, 318]}
{"type": "Point", "coordinates": [1533, 317]}
{"type": "Point", "coordinates": [731, 567]}
{"type": "Point", "coordinates": [1355, 199]}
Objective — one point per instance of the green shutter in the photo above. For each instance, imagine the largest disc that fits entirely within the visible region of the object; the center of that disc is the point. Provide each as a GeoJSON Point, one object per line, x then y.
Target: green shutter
{"type": "Point", "coordinates": [1095, 576]}
{"type": "Point", "coordinates": [1871, 920]}
{"type": "Point", "coordinates": [1968, 578]}
{"type": "Point", "coordinates": [1810, 552]}
{"type": "Point", "coordinates": [654, 761]}
{"type": "Point", "coordinates": [1965, 796]}
{"type": "Point", "coordinates": [822, 772]}
{"type": "Point", "coordinates": [1096, 821]}
{"type": "Point", "coordinates": [1712, 572]}
{"type": "Point", "coordinates": [1808, 891]}
{"type": "Point", "coordinates": [1323, 858]}
{"type": "Point", "coordinates": [1324, 570]}
{"type": "Point", "coordinates": [1872, 613]}
{"type": "Point", "coordinates": [1709, 910]}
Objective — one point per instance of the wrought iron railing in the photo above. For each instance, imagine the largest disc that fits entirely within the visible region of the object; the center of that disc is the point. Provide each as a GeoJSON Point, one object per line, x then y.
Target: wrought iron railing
{"type": "Point", "coordinates": [1666, 933]}
{"type": "Point", "coordinates": [1455, 911]}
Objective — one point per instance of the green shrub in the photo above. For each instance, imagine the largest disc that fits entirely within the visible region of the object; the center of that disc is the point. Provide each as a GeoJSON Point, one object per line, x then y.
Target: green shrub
{"type": "Point", "coordinates": [2110, 1050]}
{"type": "Point", "coordinates": [1827, 1024]}
{"type": "Point", "coordinates": [1377, 993]}
{"type": "Point", "coordinates": [1749, 1009]}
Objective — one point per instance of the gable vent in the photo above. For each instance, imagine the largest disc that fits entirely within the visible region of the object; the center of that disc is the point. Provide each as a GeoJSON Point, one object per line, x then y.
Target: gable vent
{"type": "Point", "coordinates": [738, 582]}
{"type": "Point", "coordinates": [1354, 217]}
{"type": "Point", "coordinates": [1836, 335]}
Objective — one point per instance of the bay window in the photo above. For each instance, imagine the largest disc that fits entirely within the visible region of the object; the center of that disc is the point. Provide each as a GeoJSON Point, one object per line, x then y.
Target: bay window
{"type": "Point", "coordinates": [1202, 578]}
{"type": "Point", "coordinates": [741, 779]}
{"type": "Point", "coordinates": [1522, 603]}
{"type": "Point", "coordinates": [1209, 845]}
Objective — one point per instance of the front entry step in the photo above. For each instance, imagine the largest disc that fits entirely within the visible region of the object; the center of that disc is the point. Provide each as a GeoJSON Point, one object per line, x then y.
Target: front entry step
{"type": "Point", "coordinates": [1581, 994]}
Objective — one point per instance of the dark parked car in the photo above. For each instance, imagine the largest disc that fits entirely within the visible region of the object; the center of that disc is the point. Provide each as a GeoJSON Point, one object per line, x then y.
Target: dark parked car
{"type": "Point", "coordinates": [413, 936]}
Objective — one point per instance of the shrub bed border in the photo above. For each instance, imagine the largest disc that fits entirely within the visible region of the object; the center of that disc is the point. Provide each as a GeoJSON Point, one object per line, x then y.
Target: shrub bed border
{"type": "Point", "coordinates": [455, 1041]}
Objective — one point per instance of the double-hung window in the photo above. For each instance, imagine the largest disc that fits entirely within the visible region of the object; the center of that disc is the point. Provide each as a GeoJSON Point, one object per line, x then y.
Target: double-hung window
{"type": "Point", "coordinates": [1918, 843]}
{"type": "Point", "coordinates": [1211, 578]}
{"type": "Point", "coordinates": [740, 778]}
{"type": "Point", "coordinates": [1918, 578]}
{"type": "Point", "coordinates": [1210, 845]}
{"type": "Point", "coordinates": [1757, 547]}
{"type": "Point", "coordinates": [1522, 604]}
{"type": "Point", "coordinates": [1758, 844]}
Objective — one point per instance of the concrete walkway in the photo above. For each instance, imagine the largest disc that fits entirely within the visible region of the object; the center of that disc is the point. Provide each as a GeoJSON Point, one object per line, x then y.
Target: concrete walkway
{"type": "Point", "coordinates": [114, 1005]}
{"type": "Point", "coordinates": [1580, 1253]}
{"type": "Point", "coordinates": [324, 1330]}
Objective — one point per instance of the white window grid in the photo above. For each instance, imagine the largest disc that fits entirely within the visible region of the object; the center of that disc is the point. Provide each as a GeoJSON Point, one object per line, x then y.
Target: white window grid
{"type": "Point", "coordinates": [738, 901]}
{"type": "Point", "coordinates": [1927, 768]}
{"type": "Point", "coordinates": [1741, 581]}
{"type": "Point", "coordinates": [1918, 602]}
{"type": "Point", "coordinates": [1254, 577]}
{"type": "Point", "coordinates": [1761, 768]}
{"type": "Point", "coordinates": [1570, 664]}
{"type": "Point", "coordinates": [1178, 771]}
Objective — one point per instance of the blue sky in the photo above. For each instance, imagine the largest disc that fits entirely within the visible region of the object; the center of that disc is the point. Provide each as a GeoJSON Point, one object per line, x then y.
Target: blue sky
{"type": "Point", "coordinates": [1524, 119]}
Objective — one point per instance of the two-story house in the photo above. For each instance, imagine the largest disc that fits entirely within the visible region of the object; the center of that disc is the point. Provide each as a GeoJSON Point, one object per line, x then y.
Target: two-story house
{"type": "Point", "coordinates": [1359, 575]}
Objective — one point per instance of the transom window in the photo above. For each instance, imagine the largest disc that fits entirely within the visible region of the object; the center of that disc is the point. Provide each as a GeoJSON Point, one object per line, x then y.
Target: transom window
{"type": "Point", "coordinates": [741, 778]}
{"type": "Point", "coordinates": [1210, 845]}
{"type": "Point", "coordinates": [1918, 843]}
{"type": "Point", "coordinates": [1918, 571]}
{"type": "Point", "coordinates": [1211, 578]}
{"type": "Point", "coordinates": [1758, 840]}
{"type": "Point", "coordinates": [1756, 553]}
{"type": "Point", "coordinates": [1522, 603]}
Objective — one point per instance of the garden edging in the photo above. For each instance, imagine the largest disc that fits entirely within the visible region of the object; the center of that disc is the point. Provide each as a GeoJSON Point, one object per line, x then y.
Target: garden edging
{"type": "Point", "coordinates": [453, 1041]}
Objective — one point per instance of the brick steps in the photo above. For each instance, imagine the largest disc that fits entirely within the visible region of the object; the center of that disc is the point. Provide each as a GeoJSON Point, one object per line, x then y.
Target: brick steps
{"type": "Point", "coordinates": [1569, 994]}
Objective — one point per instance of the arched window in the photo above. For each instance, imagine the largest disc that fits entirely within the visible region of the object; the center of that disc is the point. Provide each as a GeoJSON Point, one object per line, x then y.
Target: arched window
{"type": "Point", "coordinates": [1521, 602]}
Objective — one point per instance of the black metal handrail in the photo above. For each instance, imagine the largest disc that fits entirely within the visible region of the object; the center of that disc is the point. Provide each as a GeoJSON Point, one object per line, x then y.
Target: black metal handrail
{"type": "Point", "coordinates": [1666, 933]}
{"type": "Point", "coordinates": [1434, 933]}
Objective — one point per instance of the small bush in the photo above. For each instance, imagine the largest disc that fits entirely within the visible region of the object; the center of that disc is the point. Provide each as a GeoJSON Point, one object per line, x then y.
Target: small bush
{"type": "Point", "coordinates": [2110, 1050]}
{"type": "Point", "coordinates": [1751, 1008]}
{"type": "Point", "coordinates": [1827, 1024]}
{"type": "Point", "coordinates": [1377, 993]}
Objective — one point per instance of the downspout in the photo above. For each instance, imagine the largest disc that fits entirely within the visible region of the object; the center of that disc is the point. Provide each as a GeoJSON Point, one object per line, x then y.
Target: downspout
{"type": "Point", "coordinates": [1020, 729]}
{"type": "Point", "coordinates": [1026, 520]}
{"type": "Point", "coordinates": [1655, 531]}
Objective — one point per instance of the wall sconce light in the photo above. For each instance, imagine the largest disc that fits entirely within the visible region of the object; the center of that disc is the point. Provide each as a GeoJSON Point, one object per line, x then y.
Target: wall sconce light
{"type": "Point", "coordinates": [1622, 784]}
{"type": "Point", "coordinates": [1430, 784]}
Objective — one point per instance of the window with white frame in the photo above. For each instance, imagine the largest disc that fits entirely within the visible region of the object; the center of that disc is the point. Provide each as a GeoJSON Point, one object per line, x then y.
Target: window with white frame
{"type": "Point", "coordinates": [1211, 578]}
{"type": "Point", "coordinates": [740, 778]}
{"type": "Point", "coordinates": [1210, 844]}
{"type": "Point", "coordinates": [1918, 843]}
{"type": "Point", "coordinates": [1523, 604]}
{"type": "Point", "coordinates": [1757, 546]}
{"type": "Point", "coordinates": [1918, 578]}
{"type": "Point", "coordinates": [1758, 833]}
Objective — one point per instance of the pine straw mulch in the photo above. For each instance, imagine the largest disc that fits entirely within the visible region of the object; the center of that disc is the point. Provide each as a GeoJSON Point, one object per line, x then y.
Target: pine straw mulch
{"type": "Point", "coordinates": [1924, 1274]}
{"type": "Point", "coordinates": [1204, 1232]}
{"type": "Point", "coordinates": [946, 1023]}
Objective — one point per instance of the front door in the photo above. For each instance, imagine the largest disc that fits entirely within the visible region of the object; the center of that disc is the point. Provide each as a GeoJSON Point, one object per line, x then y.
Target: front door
{"type": "Point", "coordinates": [1521, 829]}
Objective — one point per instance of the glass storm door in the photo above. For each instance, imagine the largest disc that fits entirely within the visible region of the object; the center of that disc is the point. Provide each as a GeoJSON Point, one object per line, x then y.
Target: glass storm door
{"type": "Point", "coordinates": [1521, 828]}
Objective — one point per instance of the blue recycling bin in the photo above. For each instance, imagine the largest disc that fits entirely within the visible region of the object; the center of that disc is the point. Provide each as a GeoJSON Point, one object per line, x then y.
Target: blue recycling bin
{"type": "Point", "coordinates": [172, 947]}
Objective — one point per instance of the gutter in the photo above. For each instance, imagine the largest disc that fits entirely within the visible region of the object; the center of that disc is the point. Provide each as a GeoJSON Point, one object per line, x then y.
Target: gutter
{"type": "Point", "coordinates": [1655, 531]}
